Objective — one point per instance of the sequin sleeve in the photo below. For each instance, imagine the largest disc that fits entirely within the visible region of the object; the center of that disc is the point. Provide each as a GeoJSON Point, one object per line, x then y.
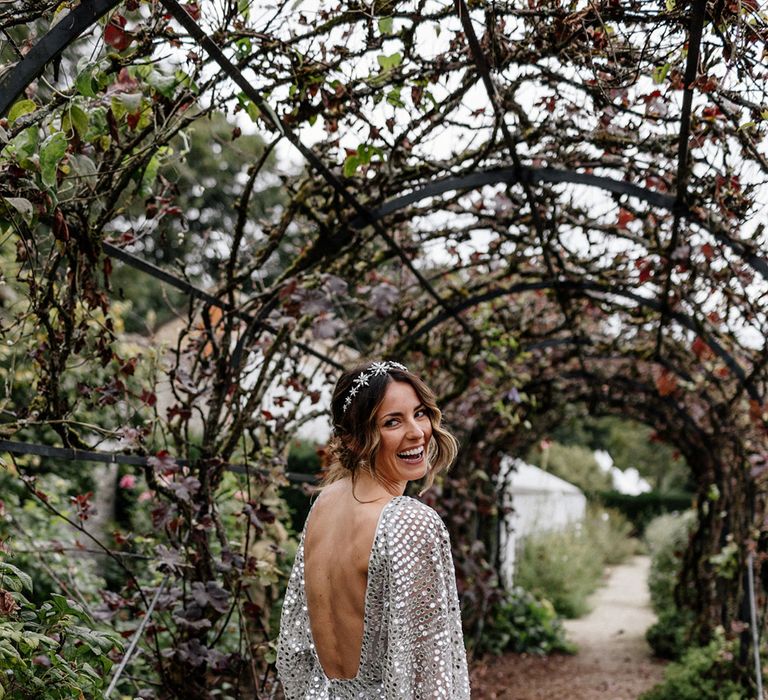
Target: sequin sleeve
{"type": "Point", "coordinates": [425, 652]}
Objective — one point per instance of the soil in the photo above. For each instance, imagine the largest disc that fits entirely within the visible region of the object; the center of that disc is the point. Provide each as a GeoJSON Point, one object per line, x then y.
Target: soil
{"type": "Point", "coordinates": [613, 662]}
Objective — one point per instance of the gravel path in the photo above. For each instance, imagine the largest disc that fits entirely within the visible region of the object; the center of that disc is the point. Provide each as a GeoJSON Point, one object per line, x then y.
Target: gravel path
{"type": "Point", "coordinates": [613, 662]}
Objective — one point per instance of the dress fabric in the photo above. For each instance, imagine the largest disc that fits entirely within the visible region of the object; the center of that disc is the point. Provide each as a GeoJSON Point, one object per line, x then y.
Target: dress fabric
{"type": "Point", "coordinates": [412, 647]}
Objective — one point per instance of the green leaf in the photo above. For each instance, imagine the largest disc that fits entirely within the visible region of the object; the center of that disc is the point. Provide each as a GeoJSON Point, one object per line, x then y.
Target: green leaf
{"type": "Point", "coordinates": [24, 144]}
{"type": "Point", "coordinates": [132, 101]}
{"type": "Point", "coordinates": [385, 25]}
{"type": "Point", "coordinates": [10, 569]}
{"type": "Point", "coordinates": [149, 176]}
{"type": "Point", "coordinates": [393, 97]}
{"type": "Point", "coordinates": [21, 108]}
{"type": "Point", "coordinates": [250, 108]}
{"type": "Point", "coordinates": [79, 120]}
{"type": "Point", "coordinates": [350, 166]}
{"type": "Point", "coordinates": [362, 156]}
{"type": "Point", "coordinates": [659, 73]}
{"type": "Point", "coordinates": [25, 208]}
{"type": "Point", "coordinates": [84, 167]}
{"type": "Point", "coordinates": [51, 153]}
{"type": "Point", "coordinates": [8, 651]}
{"type": "Point", "coordinates": [185, 80]}
{"type": "Point", "coordinates": [86, 83]}
{"type": "Point", "coordinates": [164, 84]}
{"type": "Point", "coordinates": [389, 62]}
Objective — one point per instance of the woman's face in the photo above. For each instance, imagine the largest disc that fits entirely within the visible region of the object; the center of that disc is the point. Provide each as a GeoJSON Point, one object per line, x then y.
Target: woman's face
{"type": "Point", "coordinates": [405, 431]}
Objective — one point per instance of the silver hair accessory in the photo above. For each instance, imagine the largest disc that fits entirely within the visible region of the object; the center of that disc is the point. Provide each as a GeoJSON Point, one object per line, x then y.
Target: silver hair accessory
{"type": "Point", "coordinates": [375, 370]}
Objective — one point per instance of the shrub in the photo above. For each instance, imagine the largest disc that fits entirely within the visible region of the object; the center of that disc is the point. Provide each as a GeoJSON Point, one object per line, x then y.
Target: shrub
{"type": "Point", "coordinates": [668, 636]}
{"type": "Point", "coordinates": [703, 673]}
{"type": "Point", "coordinates": [48, 651]}
{"type": "Point", "coordinates": [523, 623]}
{"type": "Point", "coordinates": [565, 567]}
{"type": "Point", "coordinates": [666, 538]}
{"type": "Point", "coordinates": [562, 567]}
{"type": "Point", "coordinates": [641, 509]}
{"type": "Point", "coordinates": [609, 531]}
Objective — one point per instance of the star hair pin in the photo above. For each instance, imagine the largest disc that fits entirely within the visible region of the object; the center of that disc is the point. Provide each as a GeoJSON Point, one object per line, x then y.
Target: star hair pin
{"type": "Point", "coordinates": [376, 369]}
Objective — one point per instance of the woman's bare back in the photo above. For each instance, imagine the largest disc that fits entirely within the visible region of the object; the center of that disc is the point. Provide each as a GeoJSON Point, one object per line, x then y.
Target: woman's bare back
{"type": "Point", "coordinates": [337, 547]}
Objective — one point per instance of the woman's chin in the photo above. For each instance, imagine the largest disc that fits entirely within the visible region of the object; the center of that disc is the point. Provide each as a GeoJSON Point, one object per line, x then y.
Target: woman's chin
{"type": "Point", "coordinates": [412, 472]}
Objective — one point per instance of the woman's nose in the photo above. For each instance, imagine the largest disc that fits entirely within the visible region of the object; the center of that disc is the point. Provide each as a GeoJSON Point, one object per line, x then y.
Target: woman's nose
{"type": "Point", "coordinates": [415, 430]}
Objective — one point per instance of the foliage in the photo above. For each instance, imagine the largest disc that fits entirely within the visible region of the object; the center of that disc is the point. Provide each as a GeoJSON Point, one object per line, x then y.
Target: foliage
{"type": "Point", "coordinates": [630, 444]}
{"type": "Point", "coordinates": [669, 635]}
{"type": "Point", "coordinates": [666, 538]}
{"type": "Point", "coordinates": [524, 624]}
{"type": "Point", "coordinates": [641, 509]}
{"type": "Point", "coordinates": [574, 463]}
{"type": "Point", "coordinates": [703, 673]}
{"type": "Point", "coordinates": [52, 650]}
{"type": "Point", "coordinates": [303, 458]}
{"type": "Point", "coordinates": [610, 534]}
{"type": "Point", "coordinates": [54, 558]}
{"type": "Point", "coordinates": [560, 567]}
{"type": "Point", "coordinates": [566, 567]}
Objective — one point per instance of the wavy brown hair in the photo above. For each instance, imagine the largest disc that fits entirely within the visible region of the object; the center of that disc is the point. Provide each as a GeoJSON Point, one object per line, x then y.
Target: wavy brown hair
{"type": "Point", "coordinates": [355, 441]}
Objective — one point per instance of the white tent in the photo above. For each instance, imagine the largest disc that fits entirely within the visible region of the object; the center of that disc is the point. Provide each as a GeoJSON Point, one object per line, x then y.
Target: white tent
{"type": "Point", "coordinates": [540, 502]}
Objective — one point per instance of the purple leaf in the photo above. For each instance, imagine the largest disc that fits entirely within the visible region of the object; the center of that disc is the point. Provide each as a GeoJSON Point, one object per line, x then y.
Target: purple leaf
{"type": "Point", "coordinates": [211, 594]}
{"type": "Point", "coordinates": [168, 559]}
{"type": "Point", "coordinates": [163, 463]}
{"type": "Point", "coordinates": [185, 488]}
{"type": "Point", "coordinates": [192, 618]}
{"type": "Point", "coordinates": [325, 327]}
{"type": "Point", "coordinates": [383, 298]}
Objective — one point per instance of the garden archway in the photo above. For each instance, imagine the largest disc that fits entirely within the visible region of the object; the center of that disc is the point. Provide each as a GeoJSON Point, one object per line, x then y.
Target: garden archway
{"type": "Point", "coordinates": [649, 287]}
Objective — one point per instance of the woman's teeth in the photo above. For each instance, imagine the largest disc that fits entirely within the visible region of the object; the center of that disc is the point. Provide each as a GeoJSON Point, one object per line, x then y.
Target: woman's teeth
{"type": "Point", "coordinates": [413, 455]}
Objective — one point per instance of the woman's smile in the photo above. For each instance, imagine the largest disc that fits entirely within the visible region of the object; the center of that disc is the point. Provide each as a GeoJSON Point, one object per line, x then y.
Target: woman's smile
{"type": "Point", "coordinates": [414, 456]}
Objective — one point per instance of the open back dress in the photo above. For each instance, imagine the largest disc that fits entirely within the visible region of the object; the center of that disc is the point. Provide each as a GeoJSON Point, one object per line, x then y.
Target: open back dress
{"type": "Point", "coordinates": [412, 645]}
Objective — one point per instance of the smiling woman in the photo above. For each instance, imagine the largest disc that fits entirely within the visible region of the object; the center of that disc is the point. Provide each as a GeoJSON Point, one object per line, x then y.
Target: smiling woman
{"type": "Point", "coordinates": [371, 609]}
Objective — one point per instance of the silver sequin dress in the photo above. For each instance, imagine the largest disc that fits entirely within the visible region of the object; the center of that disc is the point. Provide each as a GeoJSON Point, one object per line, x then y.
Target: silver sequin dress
{"type": "Point", "coordinates": [412, 646]}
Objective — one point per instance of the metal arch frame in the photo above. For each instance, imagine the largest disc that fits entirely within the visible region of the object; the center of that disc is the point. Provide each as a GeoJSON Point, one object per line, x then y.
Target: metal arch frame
{"type": "Point", "coordinates": [580, 378]}
{"type": "Point", "coordinates": [513, 175]}
{"type": "Point", "coordinates": [70, 454]}
{"type": "Point", "coordinates": [49, 47]}
{"type": "Point", "coordinates": [518, 174]}
{"type": "Point", "coordinates": [575, 341]}
{"type": "Point", "coordinates": [587, 286]}
{"type": "Point", "coordinates": [579, 341]}
{"type": "Point", "coordinates": [89, 11]}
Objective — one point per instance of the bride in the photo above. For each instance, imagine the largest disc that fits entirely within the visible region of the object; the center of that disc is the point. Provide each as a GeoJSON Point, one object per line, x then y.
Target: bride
{"type": "Point", "coordinates": [371, 609]}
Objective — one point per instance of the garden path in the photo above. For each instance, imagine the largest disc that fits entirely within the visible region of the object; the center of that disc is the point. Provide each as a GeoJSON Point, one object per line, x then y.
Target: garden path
{"type": "Point", "coordinates": [614, 661]}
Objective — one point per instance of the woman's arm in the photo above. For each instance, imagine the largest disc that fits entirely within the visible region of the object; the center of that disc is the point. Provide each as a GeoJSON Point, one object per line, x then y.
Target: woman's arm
{"type": "Point", "coordinates": [425, 653]}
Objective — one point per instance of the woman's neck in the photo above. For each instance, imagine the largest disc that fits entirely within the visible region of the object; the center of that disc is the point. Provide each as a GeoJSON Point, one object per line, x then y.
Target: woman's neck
{"type": "Point", "coordinates": [368, 487]}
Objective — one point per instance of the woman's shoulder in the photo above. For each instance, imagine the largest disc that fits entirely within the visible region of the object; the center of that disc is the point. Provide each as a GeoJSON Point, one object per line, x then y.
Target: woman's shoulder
{"type": "Point", "coordinates": [410, 514]}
